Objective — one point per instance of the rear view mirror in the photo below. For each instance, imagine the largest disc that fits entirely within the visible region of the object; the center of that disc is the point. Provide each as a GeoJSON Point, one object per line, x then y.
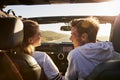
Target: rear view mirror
{"type": "Point", "coordinates": [65, 28]}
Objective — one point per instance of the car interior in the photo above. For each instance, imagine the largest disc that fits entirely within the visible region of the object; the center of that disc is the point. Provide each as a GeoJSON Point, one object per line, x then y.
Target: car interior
{"type": "Point", "coordinates": [11, 34]}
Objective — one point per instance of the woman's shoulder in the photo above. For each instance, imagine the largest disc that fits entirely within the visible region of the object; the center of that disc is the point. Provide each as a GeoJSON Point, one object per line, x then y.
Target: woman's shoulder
{"type": "Point", "coordinates": [39, 54]}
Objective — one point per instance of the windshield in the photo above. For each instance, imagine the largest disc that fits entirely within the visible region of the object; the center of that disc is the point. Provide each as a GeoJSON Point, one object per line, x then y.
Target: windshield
{"type": "Point", "coordinates": [52, 32]}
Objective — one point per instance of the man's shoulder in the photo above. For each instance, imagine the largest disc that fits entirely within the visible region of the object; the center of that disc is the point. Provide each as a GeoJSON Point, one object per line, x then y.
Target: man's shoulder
{"type": "Point", "coordinates": [74, 53]}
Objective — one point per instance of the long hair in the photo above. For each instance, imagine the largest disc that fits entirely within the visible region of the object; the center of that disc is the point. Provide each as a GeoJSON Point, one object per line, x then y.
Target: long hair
{"type": "Point", "coordinates": [30, 29]}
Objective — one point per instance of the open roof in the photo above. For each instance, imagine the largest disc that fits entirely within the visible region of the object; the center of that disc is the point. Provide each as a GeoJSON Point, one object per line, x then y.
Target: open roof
{"type": "Point", "coordinates": [33, 2]}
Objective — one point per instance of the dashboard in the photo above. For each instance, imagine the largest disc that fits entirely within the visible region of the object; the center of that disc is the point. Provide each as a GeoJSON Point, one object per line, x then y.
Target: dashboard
{"type": "Point", "coordinates": [58, 52]}
{"type": "Point", "coordinates": [55, 47]}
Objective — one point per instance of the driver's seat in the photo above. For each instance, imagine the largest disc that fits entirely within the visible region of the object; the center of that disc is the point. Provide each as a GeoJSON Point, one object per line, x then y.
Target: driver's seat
{"type": "Point", "coordinates": [109, 70]}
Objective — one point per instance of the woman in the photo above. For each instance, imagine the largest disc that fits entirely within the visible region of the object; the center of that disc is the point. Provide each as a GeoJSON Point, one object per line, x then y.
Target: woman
{"type": "Point", "coordinates": [32, 39]}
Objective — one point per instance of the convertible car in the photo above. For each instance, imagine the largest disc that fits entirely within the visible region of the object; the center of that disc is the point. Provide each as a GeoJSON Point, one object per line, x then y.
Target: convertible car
{"type": "Point", "coordinates": [53, 17]}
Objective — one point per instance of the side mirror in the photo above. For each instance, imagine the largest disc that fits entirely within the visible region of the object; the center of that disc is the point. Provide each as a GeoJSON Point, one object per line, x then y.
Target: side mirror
{"type": "Point", "coordinates": [65, 28]}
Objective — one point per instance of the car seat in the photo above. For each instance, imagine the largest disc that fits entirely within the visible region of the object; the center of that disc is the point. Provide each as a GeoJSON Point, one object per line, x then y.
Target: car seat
{"type": "Point", "coordinates": [115, 38]}
{"type": "Point", "coordinates": [14, 65]}
{"type": "Point", "coordinates": [109, 70]}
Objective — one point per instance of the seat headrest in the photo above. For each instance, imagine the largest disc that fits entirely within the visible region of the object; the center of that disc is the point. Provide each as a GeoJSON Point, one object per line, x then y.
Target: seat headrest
{"type": "Point", "coordinates": [116, 33]}
{"type": "Point", "coordinates": [11, 32]}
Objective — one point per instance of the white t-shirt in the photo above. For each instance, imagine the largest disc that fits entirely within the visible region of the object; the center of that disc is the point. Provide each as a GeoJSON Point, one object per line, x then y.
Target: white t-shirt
{"type": "Point", "coordinates": [50, 69]}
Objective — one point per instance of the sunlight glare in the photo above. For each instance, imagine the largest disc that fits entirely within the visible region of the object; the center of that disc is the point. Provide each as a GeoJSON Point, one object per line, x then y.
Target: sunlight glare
{"type": "Point", "coordinates": [104, 32]}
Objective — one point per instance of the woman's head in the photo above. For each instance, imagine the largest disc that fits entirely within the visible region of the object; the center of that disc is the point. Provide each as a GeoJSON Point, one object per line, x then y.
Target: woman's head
{"type": "Point", "coordinates": [32, 36]}
{"type": "Point", "coordinates": [84, 30]}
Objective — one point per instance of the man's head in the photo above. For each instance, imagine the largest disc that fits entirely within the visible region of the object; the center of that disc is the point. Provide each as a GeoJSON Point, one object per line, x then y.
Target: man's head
{"type": "Point", "coordinates": [84, 30]}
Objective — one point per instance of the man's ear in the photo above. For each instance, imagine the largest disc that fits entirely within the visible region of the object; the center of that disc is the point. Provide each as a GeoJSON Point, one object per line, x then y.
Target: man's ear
{"type": "Point", "coordinates": [84, 36]}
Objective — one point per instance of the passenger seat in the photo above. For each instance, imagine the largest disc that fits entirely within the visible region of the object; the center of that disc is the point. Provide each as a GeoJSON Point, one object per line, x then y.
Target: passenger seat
{"type": "Point", "coordinates": [14, 65]}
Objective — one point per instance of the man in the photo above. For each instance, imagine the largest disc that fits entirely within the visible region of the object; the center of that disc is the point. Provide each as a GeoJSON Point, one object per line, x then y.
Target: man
{"type": "Point", "coordinates": [87, 53]}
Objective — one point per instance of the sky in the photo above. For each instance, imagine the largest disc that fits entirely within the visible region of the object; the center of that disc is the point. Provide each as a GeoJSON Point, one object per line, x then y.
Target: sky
{"type": "Point", "coordinates": [104, 8]}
